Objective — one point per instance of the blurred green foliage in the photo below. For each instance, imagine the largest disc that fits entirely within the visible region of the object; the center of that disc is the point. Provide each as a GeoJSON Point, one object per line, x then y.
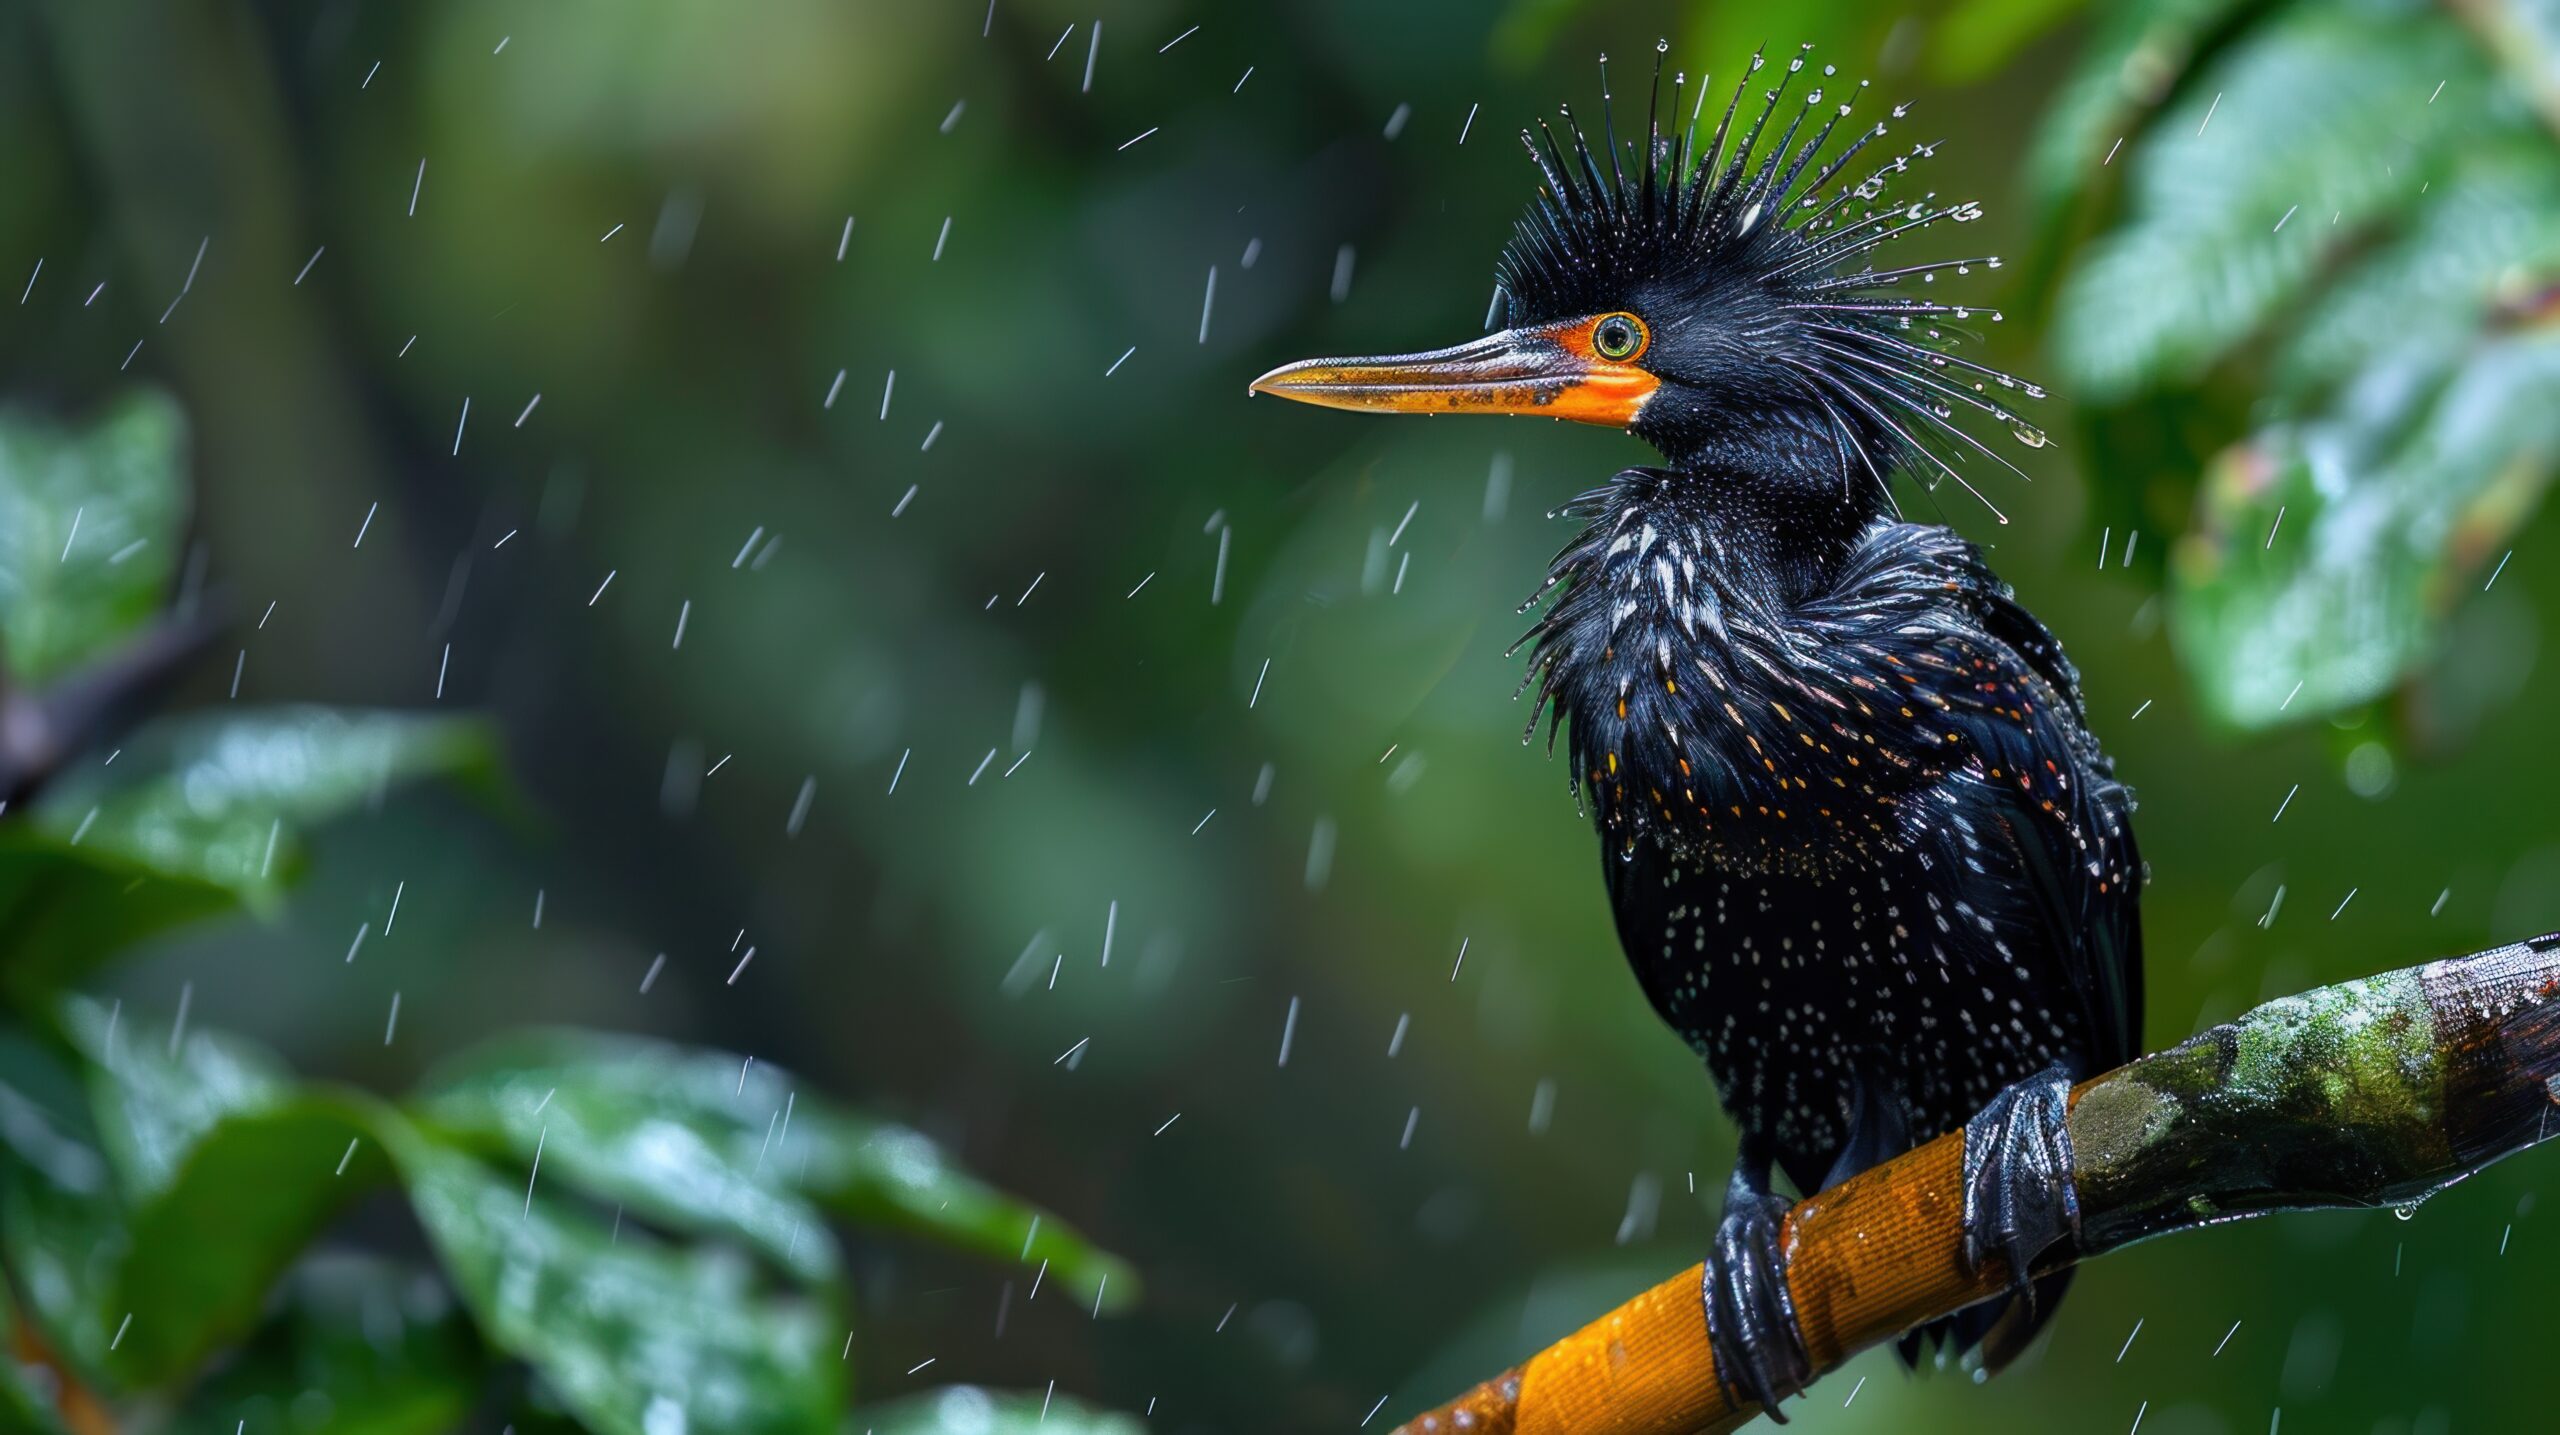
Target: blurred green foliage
{"type": "Point", "coordinates": [162, 1199]}
{"type": "Point", "coordinates": [1056, 647]}
{"type": "Point", "coordinates": [2375, 260]}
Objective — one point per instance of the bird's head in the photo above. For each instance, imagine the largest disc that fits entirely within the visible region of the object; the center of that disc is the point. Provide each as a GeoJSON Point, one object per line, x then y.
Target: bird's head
{"type": "Point", "coordinates": [1721, 300]}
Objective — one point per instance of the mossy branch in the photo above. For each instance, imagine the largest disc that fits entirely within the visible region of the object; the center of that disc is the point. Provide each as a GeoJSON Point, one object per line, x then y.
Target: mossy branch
{"type": "Point", "coordinates": [2375, 1092]}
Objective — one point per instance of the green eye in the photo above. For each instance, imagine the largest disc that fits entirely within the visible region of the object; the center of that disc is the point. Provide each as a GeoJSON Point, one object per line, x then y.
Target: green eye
{"type": "Point", "coordinates": [1618, 337]}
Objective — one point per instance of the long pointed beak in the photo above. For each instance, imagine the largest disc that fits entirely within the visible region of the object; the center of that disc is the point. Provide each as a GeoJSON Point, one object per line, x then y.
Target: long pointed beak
{"type": "Point", "coordinates": [1549, 371]}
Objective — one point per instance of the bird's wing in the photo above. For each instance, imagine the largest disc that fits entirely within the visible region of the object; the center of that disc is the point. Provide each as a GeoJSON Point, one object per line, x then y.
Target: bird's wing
{"type": "Point", "coordinates": [2087, 867]}
{"type": "Point", "coordinates": [1993, 676]}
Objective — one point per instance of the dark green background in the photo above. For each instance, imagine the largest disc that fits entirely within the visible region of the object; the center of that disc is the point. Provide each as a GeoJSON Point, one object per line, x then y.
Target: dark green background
{"type": "Point", "coordinates": [1302, 1262]}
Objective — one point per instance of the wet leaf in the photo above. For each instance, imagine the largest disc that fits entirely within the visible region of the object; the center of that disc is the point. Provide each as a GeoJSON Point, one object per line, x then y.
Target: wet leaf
{"type": "Point", "coordinates": [65, 906]}
{"type": "Point", "coordinates": [750, 1139]}
{"type": "Point", "coordinates": [228, 1169]}
{"type": "Point", "coordinates": [157, 1093]}
{"type": "Point", "coordinates": [605, 1127]}
{"type": "Point", "coordinates": [254, 1192]}
{"type": "Point", "coordinates": [634, 1338]}
{"type": "Point", "coordinates": [216, 799]}
{"type": "Point", "coordinates": [90, 518]}
{"type": "Point", "coordinates": [2485, 235]}
{"type": "Point", "coordinates": [2361, 195]}
{"type": "Point", "coordinates": [896, 1178]}
{"type": "Point", "coordinates": [2395, 507]}
{"type": "Point", "coordinates": [62, 1231]}
{"type": "Point", "coordinates": [2276, 160]}
{"type": "Point", "coordinates": [970, 1410]}
{"type": "Point", "coordinates": [359, 1346]}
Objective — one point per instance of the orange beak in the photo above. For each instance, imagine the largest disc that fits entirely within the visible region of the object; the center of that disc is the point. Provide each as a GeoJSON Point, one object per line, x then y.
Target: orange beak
{"type": "Point", "coordinates": [1551, 370]}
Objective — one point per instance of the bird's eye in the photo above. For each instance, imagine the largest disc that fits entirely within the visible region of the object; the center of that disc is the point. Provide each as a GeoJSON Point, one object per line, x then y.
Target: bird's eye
{"type": "Point", "coordinates": [1618, 337]}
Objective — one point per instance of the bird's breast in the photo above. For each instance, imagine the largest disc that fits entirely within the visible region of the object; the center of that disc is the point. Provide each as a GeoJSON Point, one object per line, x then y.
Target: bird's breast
{"type": "Point", "coordinates": [1702, 714]}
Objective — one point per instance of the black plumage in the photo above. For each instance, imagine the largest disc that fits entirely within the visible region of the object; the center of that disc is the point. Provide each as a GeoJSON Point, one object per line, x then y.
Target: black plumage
{"type": "Point", "coordinates": [1865, 856]}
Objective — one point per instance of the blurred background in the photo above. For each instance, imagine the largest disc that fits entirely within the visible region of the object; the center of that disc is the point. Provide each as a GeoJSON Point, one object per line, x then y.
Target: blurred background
{"type": "Point", "coordinates": [815, 433]}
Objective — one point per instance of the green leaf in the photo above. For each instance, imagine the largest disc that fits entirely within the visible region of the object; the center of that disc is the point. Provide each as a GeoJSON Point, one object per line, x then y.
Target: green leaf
{"type": "Point", "coordinates": [2488, 231]}
{"type": "Point", "coordinates": [62, 1234]}
{"type": "Point", "coordinates": [360, 1346]}
{"type": "Point", "coordinates": [253, 1194]}
{"type": "Point", "coordinates": [2277, 159]}
{"type": "Point", "coordinates": [615, 1121]}
{"type": "Point", "coordinates": [2391, 507]}
{"type": "Point", "coordinates": [2361, 193]}
{"type": "Point", "coordinates": [896, 1178]}
{"type": "Point", "coordinates": [61, 1225]}
{"type": "Point", "coordinates": [62, 1248]}
{"type": "Point", "coordinates": [635, 1338]}
{"type": "Point", "coordinates": [214, 798]}
{"type": "Point", "coordinates": [155, 1098]}
{"type": "Point", "coordinates": [89, 526]}
{"type": "Point", "coordinates": [722, 1119]}
{"type": "Point", "coordinates": [199, 815]}
{"type": "Point", "coordinates": [228, 1169]}
{"type": "Point", "coordinates": [62, 907]}
{"type": "Point", "coordinates": [969, 1410]}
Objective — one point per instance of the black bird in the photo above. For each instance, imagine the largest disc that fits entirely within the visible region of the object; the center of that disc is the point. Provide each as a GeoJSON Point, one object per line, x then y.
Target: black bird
{"type": "Point", "coordinates": [1864, 854]}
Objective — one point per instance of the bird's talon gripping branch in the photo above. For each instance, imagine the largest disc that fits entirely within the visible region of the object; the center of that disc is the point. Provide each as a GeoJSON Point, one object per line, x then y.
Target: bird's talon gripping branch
{"type": "Point", "coordinates": [2018, 1192]}
{"type": "Point", "coordinates": [1751, 1316]}
{"type": "Point", "coordinates": [2374, 1092]}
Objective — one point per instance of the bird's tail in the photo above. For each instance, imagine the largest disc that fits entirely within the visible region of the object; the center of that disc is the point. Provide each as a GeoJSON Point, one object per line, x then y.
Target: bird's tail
{"type": "Point", "coordinates": [2001, 1329]}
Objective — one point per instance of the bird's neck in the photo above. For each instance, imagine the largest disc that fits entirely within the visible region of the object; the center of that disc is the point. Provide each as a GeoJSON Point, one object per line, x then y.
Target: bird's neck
{"type": "Point", "coordinates": [1773, 539]}
{"type": "Point", "coordinates": [1674, 615]}
{"type": "Point", "coordinates": [1782, 495]}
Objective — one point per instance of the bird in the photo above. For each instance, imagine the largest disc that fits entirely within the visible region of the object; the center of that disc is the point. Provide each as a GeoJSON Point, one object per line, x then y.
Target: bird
{"type": "Point", "coordinates": [1863, 853]}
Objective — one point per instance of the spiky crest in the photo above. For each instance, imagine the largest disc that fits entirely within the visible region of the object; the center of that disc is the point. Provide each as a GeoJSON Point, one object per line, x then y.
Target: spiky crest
{"type": "Point", "coordinates": [1787, 247]}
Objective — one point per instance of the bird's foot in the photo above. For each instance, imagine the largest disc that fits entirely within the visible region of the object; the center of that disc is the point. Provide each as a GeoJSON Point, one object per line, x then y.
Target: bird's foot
{"type": "Point", "coordinates": [1751, 1318]}
{"type": "Point", "coordinates": [2018, 1193]}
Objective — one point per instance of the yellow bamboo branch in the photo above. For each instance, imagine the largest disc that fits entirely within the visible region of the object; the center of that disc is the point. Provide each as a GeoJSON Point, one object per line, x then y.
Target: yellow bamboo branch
{"type": "Point", "coordinates": [2373, 1092]}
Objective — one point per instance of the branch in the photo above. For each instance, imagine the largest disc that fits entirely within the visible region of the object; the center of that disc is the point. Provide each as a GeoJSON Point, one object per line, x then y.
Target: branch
{"type": "Point", "coordinates": [39, 732]}
{"type": "Point", "coordinates": [2369, 1093]}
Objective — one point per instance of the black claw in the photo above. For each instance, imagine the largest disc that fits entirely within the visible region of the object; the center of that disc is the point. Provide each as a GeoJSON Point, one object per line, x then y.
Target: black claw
{"type": "Point", "coordinates": [2018, 1194]}
{"type": "Point", "coordinates": [1751, 1317]}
